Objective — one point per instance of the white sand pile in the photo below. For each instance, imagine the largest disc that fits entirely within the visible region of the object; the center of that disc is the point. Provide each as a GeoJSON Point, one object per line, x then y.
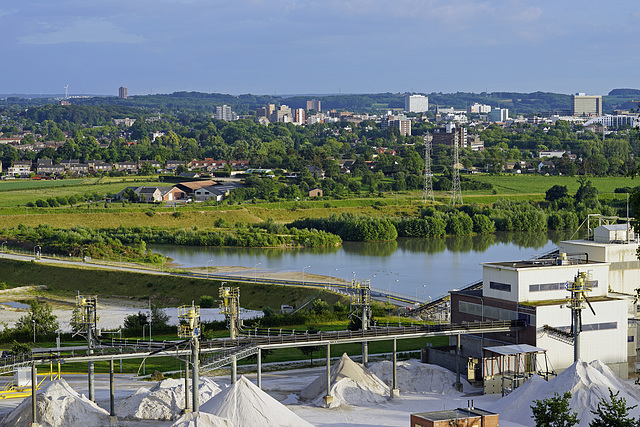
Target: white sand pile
{"type": "Point", "coordinates": [588, 383]}
{"type": "Point", "coordinates": [57, 404]}
{"type": "Point", "coordinates": [418, 377]}
{"type": "Point", "coordinates": [201, 419]}
{"type": "Point", "coordinates": [351, 384]}
{"type": "Point", "coordinates": [244, 404]}
{"type": "Point", "coordinates": [164, 401]}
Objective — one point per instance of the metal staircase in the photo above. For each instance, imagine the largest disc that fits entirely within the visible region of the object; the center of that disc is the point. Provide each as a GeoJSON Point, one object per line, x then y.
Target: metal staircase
{"type": "Point", "coordinates": [225, 358]}
{"type": "Point", "coordinates": [558, 334]}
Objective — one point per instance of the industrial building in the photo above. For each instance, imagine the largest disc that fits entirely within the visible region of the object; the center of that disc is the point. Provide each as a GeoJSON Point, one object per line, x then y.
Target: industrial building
{"type": "Point", "coordinates": [540, 291]}
{"type": "Point", "coordinates": [586, 105]}
{"type": "Point", "coordinates": [463, 417]}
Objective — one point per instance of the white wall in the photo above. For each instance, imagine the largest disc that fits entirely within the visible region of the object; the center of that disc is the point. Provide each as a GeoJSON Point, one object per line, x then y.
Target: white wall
{"type": "Point", "coordinates": [521, 278]}
{"type": "Point", "coordinates": [609, 345]}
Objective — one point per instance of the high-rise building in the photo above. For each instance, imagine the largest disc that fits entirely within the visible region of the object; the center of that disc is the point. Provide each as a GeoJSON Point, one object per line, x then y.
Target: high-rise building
{"type": "Point", "coordinates": [299, 116]}
{"type": "Point", "coordinates": [450, 135]}
{"type": "Point", "coordinates": [499, 115]}
{"type": "Point", "coordinates": [416, 103]}
{"type": "Point", "coordinates": [314, 104]}
{"type": "Point", "coordinates": [399, 121]}
{"type": "Point", "coordinates": [122, 92]}
{"type": "Point", "coordinates": [224, 112]}
{"type": "Point", "coordinates": [478, 109]}
{"type": "Point", "coordinates": [586, 105]}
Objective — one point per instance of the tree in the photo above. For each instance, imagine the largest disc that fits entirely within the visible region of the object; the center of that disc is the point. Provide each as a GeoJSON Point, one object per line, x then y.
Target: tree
{"type": "Point", "coordinates": [554, 412]}
{"type": "Point", "coordinates": [556, 192]}
{"type": "Point", "coordinates": [45, 321]}
{"type": "Point", "coordinates": [146, 169]}
{"type": "Point", "coordinates": [586, 193]}
{"type": "Point", "coordinates": [613, 413]}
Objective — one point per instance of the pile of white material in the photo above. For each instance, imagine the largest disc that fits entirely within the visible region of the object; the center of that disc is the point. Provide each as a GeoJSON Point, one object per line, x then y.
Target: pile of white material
{"type": "Point", "coordinates": [351, 384]}
{"type": "Point", "coordinates": [164, 401]}
{"type": "Point", "coordinates": [418, 377]}
{"type": "Point", "coordinates": [244, 404]}
{"type": "Point", "coordinates": [588, 383]}
{"type": "Point", "coordinates": [201, 419]}
{"type": "Point", "coordinates": [57, 404]}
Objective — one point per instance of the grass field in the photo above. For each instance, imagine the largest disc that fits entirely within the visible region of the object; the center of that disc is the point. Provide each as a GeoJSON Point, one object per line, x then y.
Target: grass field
{"type": "Point", "coordinates": [399, 204]}
{"type": "Point", "coordinates": [168, 290]}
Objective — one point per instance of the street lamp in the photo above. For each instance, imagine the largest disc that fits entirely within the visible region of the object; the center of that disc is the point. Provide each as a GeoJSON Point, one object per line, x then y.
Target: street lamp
{"type": "Point", "coordinates": [82, 254]}
{"type": "Point", "coordinates": [424, 286]}
{"type": "Point", "coordinates": [3, 245]}
{"type": "Point", "coordinates": [389, 289]}
{"type": "Point", "coordinates": [34, 250]}
{"type": "Point", "coordinates": [255, 272]}
{"type": "Point", "coordinates": [330, 275]}
{"type": "Point", "coordinates": [308, 266]}
{"type": "Point", "coordinates": [34, 330]}
{"type": "Point", "coordinates": [121, 258]}
{"type": "Point", "coordinates": [208, 267]}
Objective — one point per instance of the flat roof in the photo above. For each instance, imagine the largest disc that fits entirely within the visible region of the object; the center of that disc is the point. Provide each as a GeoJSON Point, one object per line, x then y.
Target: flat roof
{"type": "Point", "coordinates": [509, 350]}
{"type": "Point", "coordinates": [537, 263]}
{"type": "Point", "coordinates": [598, 244]}
{"type": "Point", "coordinates": [452, 414]}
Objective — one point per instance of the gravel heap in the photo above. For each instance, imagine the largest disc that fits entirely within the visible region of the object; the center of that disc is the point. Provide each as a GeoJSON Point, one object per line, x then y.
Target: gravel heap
{"type": "Point", "coordinates": [244, 404]}
{"type": "Point", "coordinates": [417, 377]}
{"type": "Point", "coordinates": [57, 404]}
{"type": "Point", "coordinates": [164, 401]}
{"type": "Point", "coordinates": [588, 383]}
{"type": "Point", "coordinates": [351, 384]}
{"type": "Point", "coordinates": [201, 419]}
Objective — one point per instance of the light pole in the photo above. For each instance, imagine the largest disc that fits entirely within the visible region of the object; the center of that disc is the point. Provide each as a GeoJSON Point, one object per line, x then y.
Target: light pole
{"type": "Point", "coordinates": [208, 267]}
{"type": "Point", "coordinates": [308, 266]}
{"type": "Point", "coordinates": [82, 254]}
{"type": "Point", "coordinates": [34, 251]}
{"type": "Point", "coordinates": [255, 272]}
{"type": "Point", "coordinates": [389, 289]}
{"type": "Point", "coordinates": [34, 330]}
{"type": "Point", "coordinates": [424, 286]}
{"type": "Point", "coordinates": [3, 245]}
{"type": "Point", "coordinates": [162, 265]}
{"type": "Point", "coordinates": [330, 275]}
{"type": "Point", "coordinates": [121, 258]}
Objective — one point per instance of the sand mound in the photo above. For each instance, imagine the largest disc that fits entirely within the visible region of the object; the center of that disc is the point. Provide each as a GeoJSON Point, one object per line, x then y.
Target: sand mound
{"type": "Point", "coordinates": [57, 404]}
{"type": "Point", "coordinates": [418, 377]}
{"type": "Point", "coordinates": [588, 383]}
{"type": "Point", "coordinates": [244, 404]}
{"type": "Point", "coordinates": [351, 384]}
{"type": "Point", "coordinates": [201, 419]}
{"type": "Point", "coordinates": [164, 401]}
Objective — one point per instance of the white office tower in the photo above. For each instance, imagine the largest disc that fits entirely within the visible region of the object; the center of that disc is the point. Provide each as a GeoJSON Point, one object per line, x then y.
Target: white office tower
{"type": "Point", "coordinates": [416, 103]}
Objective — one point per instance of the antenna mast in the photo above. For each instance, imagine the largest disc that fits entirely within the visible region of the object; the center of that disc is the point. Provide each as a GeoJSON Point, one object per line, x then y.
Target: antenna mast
{"type": "Point", "coordinates": [456, 190]}
{"type": "Point", "coordinates": [427, 192]}
{"type": "Point", "coordinates": [66, 92]}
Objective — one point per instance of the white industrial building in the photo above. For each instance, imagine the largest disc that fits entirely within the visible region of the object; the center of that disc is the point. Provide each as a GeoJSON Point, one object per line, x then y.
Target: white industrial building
{"type": "Point", "coordinates": [536, 291]}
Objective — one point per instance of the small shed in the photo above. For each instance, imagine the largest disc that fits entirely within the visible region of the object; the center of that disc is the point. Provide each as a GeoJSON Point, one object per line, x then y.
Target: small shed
{"type": "Point", "coordinates": [613, 233]}
{"type": "Point", "coordinates": [464, 417]}
{"type": "Point", "coordinates": [315, 192]}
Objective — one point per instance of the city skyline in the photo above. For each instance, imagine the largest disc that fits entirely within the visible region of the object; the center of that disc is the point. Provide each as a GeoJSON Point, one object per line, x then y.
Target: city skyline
{"type": "Point", "coordinates": [313, 47]}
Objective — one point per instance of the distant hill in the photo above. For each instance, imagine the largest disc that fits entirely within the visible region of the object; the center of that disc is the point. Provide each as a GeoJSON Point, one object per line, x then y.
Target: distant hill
{"type": "Point", "coordinates": [543, 103]}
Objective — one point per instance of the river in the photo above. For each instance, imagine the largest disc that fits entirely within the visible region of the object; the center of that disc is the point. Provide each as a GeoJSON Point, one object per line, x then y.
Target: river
{"type": "Point", "coordinates": [419, 267]}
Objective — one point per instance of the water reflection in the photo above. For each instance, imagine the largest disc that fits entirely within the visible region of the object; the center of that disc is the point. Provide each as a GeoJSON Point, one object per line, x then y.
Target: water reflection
{"type": "Point", "coordinates": [405, 265]}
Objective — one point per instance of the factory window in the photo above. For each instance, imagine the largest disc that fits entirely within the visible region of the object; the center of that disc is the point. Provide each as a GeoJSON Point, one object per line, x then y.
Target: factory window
{"type": "Point", "coordinates": [593, 327]}
{"type": "Point", "coordinates": [561, 286]}
{"type": "Point", "coordinates": [494, 313]}
{"type": "Point", "coordinates": [630, 338]}
{"type": "Point", "coordinates": [500, 286]}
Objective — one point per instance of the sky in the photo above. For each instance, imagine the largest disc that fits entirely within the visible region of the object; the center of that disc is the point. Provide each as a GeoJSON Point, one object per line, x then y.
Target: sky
{"type": "Point", "coordinates": [318, 46]}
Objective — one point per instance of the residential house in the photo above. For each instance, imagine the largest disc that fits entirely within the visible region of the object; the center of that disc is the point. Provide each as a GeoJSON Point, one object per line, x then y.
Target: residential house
{"type": "Point", "coordinates": [68, 163]}
{"type": "Point", "coordinates": [156, 165]}
{"type": "Point", "coordinates": [79, 168]}
{"type": "Point", "coordinates": [190, 187]}
{"type": "Point", "coordinates": [100, 166]}
{"type": "Point", "coordinates": [316, 172]}
{"type": "Point", "coordinates": [21, 168]}
{"type": "Point", "coordinates": [159, 194]}
{"type": "Point", "coordinates": [217, 192]}
{"type": "Point", "coordinates": [130, 167]}
{"type": "Point", "coordinates": [172, 165]}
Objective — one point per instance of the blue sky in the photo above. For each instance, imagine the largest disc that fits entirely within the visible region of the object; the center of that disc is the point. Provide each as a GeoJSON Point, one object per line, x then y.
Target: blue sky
{"type": "Point", "coordinates": [312, 46]}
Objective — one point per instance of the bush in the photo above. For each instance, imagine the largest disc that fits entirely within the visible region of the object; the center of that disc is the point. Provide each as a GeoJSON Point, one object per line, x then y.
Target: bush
{"type": "Point", "coordinates": [206, 301]}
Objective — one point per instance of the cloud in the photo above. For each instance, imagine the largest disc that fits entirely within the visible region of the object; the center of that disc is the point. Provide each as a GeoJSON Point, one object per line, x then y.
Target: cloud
{"type": "Point", "coordinates": [5, 12]}
{"type": "Point", "coordinates": [88, 30]}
